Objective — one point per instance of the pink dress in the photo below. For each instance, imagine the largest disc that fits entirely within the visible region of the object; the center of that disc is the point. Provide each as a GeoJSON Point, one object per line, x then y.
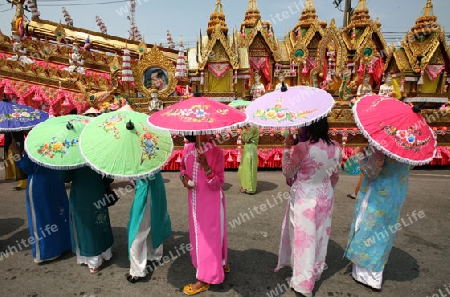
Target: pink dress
{"type": "Point", "coordinates": [207, 213]}
{"type": "Point", "coordinates": [307, 222]}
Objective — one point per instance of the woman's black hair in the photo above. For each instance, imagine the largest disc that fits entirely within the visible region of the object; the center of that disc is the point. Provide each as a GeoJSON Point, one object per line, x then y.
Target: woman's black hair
{"type": "Point", "coordinates": [190, 138]}
{"type": "Point", "coordinates": [319, 130]}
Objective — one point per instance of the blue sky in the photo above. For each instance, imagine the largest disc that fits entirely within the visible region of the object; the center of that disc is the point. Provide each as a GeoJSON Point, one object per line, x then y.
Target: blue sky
{"type": "Point", "coordinates": [186, 18]}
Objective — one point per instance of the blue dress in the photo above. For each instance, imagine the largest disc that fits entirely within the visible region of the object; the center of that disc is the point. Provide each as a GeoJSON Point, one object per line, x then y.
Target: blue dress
{"type": "Point", "coordinates": [47, 209]}
{"type": "Point", "coordinates": [371, 244]}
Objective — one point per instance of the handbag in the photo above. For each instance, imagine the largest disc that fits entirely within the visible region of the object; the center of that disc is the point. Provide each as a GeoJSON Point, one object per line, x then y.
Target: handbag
{"type": "Point", "coordinates": [111, 196]}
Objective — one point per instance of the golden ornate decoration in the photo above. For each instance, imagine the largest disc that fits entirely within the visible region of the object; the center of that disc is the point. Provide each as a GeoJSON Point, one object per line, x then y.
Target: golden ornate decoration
{"type": "Point", "coordinates": [217, 36]}
{"type": "Point", "coordinates": [249, 38]}
{"type": "Point", "coordinates": [252, 15]}
{"type": "Point", "coordinates": [59, 32]}
{"type": "Point", "coordinates": [154, 59]}
{"type": "Point", "coordinates": [309, 18]}
{"type": "Point", "coordinates": [217, 18]}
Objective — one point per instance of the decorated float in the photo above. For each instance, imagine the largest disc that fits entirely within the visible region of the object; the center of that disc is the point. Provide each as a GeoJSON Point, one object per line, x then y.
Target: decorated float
{"type": "Point", "coordinates": [60, 68]}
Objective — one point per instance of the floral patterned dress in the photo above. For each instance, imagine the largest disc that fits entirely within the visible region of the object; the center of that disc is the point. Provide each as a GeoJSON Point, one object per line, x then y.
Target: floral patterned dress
{"type": "Point", "coordinates": [378, 207]}
{"type": "Point", "coordinates": [307, 222]}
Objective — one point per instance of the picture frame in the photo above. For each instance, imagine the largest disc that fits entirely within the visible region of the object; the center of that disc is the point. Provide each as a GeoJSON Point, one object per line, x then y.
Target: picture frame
{"type": "Point", "coordinates": [155, 69]}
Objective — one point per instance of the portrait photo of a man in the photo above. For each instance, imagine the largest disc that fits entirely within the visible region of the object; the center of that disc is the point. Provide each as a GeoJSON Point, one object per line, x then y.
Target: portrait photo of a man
{"type": "Point", "coordinates": [157, 77]}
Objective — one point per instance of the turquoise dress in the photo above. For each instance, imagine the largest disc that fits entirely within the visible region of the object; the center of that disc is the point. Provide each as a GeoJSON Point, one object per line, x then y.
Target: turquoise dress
{"type": "Point", "coordinates": [89, 219]}
{"type": "Point", "coordinates": [371, 244]}
{"type": "Point", "coordinates": [161, 226]}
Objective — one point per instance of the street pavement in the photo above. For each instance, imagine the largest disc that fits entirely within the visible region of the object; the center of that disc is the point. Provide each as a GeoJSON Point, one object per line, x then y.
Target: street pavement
{"type": "Point", "coordinates": [419, 264]}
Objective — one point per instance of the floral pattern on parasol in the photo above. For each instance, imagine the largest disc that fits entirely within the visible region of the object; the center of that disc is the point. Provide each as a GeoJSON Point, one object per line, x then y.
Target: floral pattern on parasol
{"type": "Point", "coordinates": [407, 138]}
{"type": "Point", "coordinates": [280, 114]}
{"type": "Point", "coordinates": [111, 125]}
{"type": "Point", "coordinates": [197, 113]}
{"type": "Point", "coordinates": [149, 144]}
{"type": "Point", "coordinates": [55, 147]}
{"type": "Point", "coordinates": [21, 114]}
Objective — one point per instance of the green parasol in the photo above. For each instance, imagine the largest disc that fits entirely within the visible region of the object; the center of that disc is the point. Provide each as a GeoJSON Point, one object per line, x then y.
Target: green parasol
{"type": "Point", "coordinates": [54, 143]}
{"type": "Point", "coordinates": [119, 144]}
{"type": "Point", "coordinates": [239, 103]}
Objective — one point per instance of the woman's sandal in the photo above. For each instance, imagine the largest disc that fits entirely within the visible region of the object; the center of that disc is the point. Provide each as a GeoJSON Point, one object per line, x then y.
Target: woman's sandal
{"type": "Point", "coordinates": [242, 190]}
{"type": "Point", "coordinates": [95, 270]}
{"type": "Point", "coordinates": [133, 279]}
{"type": "Point", "coordinates": [188, 290]}
{"type": "Point", "coordinates": [226, 268]}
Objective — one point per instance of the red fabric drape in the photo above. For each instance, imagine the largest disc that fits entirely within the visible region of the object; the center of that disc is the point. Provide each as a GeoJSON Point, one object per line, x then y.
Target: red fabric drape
{"type": "Point", "coordinates": [262, 65]}
{"type": "Point", "coordinates": [377, 69]}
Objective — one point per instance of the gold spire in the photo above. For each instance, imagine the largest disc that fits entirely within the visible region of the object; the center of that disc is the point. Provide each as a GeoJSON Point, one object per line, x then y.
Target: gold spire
{"type": "Point", "coordinates": [426, 23]}
{"type": "Point", "coordinates": [217, 18]}
{"type": "Point", "coordinates": [308, 16]}
{"type": "Point", "coordinates": [252, 15]}
{"type": "Point", "coordinates": [361, 17]}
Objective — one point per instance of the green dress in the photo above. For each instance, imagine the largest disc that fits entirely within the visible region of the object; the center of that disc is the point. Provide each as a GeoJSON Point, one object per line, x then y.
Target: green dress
{"type": "Point", "coordinates": [89, 219]}
{"type": "Point", "coordinates": [161, 226]}
{"type": "Point", "coordinates": [248, 168]}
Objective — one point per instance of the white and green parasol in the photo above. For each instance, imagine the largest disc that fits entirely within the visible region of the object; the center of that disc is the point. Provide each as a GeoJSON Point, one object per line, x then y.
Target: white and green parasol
{"type": "Point", "coordinates": [119, 144]}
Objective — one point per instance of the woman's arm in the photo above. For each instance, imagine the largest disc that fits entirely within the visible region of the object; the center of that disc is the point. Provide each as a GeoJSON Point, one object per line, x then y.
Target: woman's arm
{"type": "Point", "coordinates": [215, 177]}
{"type": "Point", "coordinates": [372, 164]}
{"type": "Point", "coordinates": [291, 163]}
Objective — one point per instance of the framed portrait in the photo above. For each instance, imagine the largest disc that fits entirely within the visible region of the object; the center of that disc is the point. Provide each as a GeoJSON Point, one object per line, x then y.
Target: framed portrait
{"type": "Point", "coordinates": [157, 70]}
{"type": "Point", "coordinates": [157, 77]}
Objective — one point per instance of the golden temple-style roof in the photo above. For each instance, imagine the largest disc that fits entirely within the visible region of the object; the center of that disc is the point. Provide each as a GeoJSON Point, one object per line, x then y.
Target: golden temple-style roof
{"type": "Point", "coordinates": [217, 18]}
{"type": "Point", "coordinates": [426, 23]}
{"type": "Point", "coordinates": [309, 17]}
{"type": "Point", "coordinates": [360, 17]}
{"type": "Point", "coordinates": [252, 15]}
{"type": "Point", "coordinates": [424, 39]}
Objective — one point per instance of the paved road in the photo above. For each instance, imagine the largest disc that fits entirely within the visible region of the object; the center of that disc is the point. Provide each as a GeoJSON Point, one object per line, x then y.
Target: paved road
{"type": "Point", "coordinates": [419, 264]}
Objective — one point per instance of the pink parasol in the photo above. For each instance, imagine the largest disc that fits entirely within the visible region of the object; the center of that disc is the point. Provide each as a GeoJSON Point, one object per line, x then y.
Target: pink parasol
{"type": "Point", "coordinates": [196, 116]}
{"type": "Point", "coordinates": [397, 129]}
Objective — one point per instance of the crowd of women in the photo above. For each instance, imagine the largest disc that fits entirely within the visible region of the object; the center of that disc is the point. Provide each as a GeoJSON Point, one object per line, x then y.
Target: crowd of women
{"type": "Point", "coordinates": [311, 165]}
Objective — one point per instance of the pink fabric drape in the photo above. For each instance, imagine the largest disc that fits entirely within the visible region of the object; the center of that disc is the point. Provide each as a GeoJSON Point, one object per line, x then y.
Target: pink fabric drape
{"type": "Point", "coordinates": [433, 71]}
{"type": "Point", "coordinates": [219, 69]}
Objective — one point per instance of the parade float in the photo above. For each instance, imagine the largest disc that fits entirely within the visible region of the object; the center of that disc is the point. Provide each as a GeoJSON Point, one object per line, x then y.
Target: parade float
{"type": "Point", "coordinates": [60, 68]}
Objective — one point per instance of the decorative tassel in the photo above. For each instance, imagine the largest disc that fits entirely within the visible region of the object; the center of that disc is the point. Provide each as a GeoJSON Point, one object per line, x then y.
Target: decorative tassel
{"type": "Point", "coordinates": [178, 160]}
{"type": "Point", "coordinates": [420, 82]}
{"type": "Point", "coordinates": [202, 78]}
{"type": "Point", "coordinates": [37, 98]}
{"type": "Point", "coordinates": [235, 77]}
{"type": "Point", "coordinates": [402, 85]}
{"type": "Point", "coordinates": [305, 69]}
{"type": "Point", "coordinates": [230, 159]}
{"type": "Point", "coordinates": [353, 35]}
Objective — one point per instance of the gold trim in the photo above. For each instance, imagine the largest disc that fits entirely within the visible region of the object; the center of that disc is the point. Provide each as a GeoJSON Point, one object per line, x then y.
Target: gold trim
{"type": "Point", "coordinates": [217, 36]}
{"type": "Point", "coordinates": [249, 38]}
{"type": "Point", "coordinates": [154, 58]}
